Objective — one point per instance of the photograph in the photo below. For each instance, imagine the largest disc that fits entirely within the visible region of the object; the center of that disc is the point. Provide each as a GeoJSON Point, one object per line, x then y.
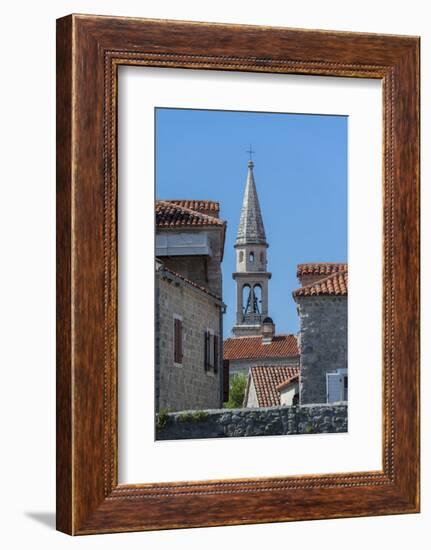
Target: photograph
{"type": "Point", "coordinates": [213, 317]}
{"type": "Point", "coordinates": [251, 273]}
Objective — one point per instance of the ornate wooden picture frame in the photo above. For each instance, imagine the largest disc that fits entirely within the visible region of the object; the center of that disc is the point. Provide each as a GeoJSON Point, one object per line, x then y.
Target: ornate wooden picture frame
{"type": "Point", "coordinates": [89, 51]}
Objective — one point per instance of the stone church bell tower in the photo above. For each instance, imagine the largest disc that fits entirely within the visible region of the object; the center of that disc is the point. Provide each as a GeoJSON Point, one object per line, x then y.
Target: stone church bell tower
{"type": "Point", "coordinates": [251, 275]}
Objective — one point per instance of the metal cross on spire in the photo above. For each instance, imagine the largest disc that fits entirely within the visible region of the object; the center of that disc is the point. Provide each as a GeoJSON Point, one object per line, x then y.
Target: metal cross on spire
{"type": "Point", "coordinates": [250, 152]}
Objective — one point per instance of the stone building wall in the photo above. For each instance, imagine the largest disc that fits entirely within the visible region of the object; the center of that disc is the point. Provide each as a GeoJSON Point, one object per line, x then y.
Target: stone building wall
{"type": "Point", "coordinates": [323, 343]}
{"type": "Point", "coordinates": [203, 270]}
{"type": "Point", "coordinates": [189, 385]}
{"type": "Point", "coordinates": [306, 419]}
{"type": "Point", "coordinates": [191, 267]}
{"type": "Point", "coordinates": [242, 366]}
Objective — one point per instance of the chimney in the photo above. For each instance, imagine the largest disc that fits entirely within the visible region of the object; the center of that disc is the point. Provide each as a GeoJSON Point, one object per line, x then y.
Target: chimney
{"type": "Point", "coordinates": [268, 330]}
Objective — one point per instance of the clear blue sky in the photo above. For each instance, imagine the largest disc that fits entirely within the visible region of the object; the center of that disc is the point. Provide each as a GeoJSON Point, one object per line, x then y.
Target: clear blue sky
{"type": "Point", "coordinates": [301, 178]}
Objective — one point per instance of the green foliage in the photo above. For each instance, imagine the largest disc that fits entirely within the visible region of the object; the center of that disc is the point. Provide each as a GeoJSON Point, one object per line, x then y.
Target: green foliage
{"type": "Point", "coordinates": [237, 387]}
{"type": "Point", "coordinates": [194, 416]}
{"type": "Point", "coordinates": [162, 419]}
{"type": "Point", "coordinates": [309, 429]}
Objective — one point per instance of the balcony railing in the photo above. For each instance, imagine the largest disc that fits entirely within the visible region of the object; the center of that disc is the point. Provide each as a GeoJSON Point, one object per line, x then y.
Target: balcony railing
{"type": "Point", "coordinates": [252, 318]}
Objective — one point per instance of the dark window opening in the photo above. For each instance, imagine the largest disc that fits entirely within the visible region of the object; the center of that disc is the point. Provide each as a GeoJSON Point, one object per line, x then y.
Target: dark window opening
{"type": "Point", "coordinates": [211, 351]}
{"type": "Point", "coordinates": [178, 341]}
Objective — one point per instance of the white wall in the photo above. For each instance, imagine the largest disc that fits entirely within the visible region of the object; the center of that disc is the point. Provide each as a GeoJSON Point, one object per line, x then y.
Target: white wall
{"type": "Point", "coordinates": [287, 395]}
{"type": "Point", "coordinates": [252, 395]}
{"type": "Point", "coordinates": [27, 275]}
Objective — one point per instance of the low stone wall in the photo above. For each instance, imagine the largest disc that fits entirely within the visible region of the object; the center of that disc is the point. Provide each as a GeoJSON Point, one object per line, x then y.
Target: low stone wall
{"type": "Point", "coordinates": [304, 419]}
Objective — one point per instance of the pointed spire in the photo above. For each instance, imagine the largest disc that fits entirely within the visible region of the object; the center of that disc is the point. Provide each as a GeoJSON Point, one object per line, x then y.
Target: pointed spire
{"type": "Point", "coordinates": [251, 230]}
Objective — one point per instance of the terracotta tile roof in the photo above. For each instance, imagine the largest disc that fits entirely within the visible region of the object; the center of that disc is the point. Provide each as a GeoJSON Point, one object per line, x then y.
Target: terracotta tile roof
{"type": "Point", "coordinates": [288, 381]}
{"type": "Point", "coordinates": [334, 285]}
{"type": "Point", "coordinates": [320, 268]}
{"type": "Point", "coordinates": [211, 208]}
{"type": "Point", "coordinates": [169, 214]}
{"type": "Point", "coordinates": [267, 379]}
{"type": "Point", "coordinates": [251, 347]}
{"type": "Point", "coordinates": [161, 268]}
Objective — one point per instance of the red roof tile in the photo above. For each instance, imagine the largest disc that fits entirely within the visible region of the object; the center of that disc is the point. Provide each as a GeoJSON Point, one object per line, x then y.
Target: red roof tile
{"type": "Point", "coordinates": [251, 347]}
{"type": "Point", "coordinates": [169, 214]}
{"type": "Point", "coordinates": [267, 379]}
{"type": "Point", "coordinates": [288, 381]}
{"type": "Point", "coordinates": [320, 268]}
{"type": "Point", "coordinates": [334, 285]}
{"type": "Point", "coordinates": [211, 208]}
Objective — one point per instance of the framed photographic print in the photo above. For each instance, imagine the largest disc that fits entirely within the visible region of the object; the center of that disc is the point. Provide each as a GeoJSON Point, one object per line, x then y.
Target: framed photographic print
{"type": "Point", "coordinates": [237, 274]}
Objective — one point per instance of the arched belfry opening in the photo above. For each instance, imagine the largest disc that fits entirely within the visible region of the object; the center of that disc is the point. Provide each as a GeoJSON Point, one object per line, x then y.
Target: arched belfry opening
{"type": "Point", "coordinates": [257, 299]}
{"type": "Point", "coordinates": [246, 291]}
{"type": "Point", "coordinates": [251, 276]}
{"type": "Point", "coordinates": [252, 302]}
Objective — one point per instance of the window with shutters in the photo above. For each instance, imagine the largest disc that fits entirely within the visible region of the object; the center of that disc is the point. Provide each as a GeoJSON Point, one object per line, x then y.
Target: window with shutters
{"type": "Point", "coordinates": [178, 340]}
{"type": "Point", "coordinates": [345, 388]}
{"type": "Point", "coordinates": [211, 350]}
{"type": "Point", "coordinates": [216, 355]}
{"type": "Point", "coordinates": [336, 386]}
